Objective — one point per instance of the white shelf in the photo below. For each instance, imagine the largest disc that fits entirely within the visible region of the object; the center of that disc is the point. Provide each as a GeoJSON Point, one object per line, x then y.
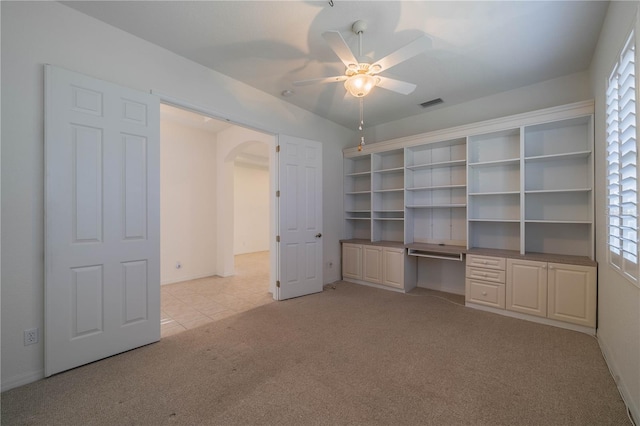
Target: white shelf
{"type": "Point", "coordinates": [389, 190]}
{"type": "Point", "coordinates": [552, 191]}
{"type": "Point", "coordinates": [577, 222]}
{"type": "Point", "coordinates": [561, 156]}
{"type": "Point", "coordinates": [426, 166]}
{"type": "Point", "coordinates": [494, 220]}
{"type": "Point", "coordinates": [480, 194]}
{"type": "Point", "coordinates": [437, 206]}
{"type": "Point", "coordinates": [392, 170]}
{"type": "Point", "coordinates": [367, 173]}
{"type": "Point", "coordinates": [428, 188]}
{"type": "Point", "coordinates": [358, 218]}
{"type": "Point", "coordinates": [494, 163]}
{"type": "Point", "coordinates": [357, 192]}
{"type": "Point", "coordinates": [388, 218]}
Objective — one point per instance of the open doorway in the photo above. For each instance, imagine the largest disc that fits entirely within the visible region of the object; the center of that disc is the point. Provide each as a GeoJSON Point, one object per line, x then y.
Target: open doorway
{"type": "Point", "coordinates": [216, 219]}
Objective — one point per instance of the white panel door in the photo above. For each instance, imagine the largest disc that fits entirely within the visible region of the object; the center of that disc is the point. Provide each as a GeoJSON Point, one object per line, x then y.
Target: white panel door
{"type": "Point", "coordinates": [300, 217]}
{"type": "Point", "coordinates": [102, 219]}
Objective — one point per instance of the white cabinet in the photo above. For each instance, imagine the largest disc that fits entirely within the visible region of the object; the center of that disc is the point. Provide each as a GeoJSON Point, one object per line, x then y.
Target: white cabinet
{"type": "Point", "coordinates": [393, 267]}
{"type": "Point", "coordinates": [572, 293]}
{"type": "Point", "coordinates": [527, 287]}
{"type": "Point", "coordinates": [556, 291]}
{"type": "Point", "coordinates": [485, 281]}
{"type": "Point", "coordinates": [377, 264]}
{"type": "Point", "coordinates": [372, 264]}
{"type": "Point", "coordinates": [352, 261]}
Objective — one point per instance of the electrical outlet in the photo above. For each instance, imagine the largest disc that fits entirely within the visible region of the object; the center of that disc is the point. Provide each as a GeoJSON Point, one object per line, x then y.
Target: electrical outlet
{"type": "Point", "coordinates": [31, 336]}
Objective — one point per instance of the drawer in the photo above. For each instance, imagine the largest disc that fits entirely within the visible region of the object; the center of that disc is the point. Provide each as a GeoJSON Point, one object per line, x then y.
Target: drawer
{"type": "Point", "coordinates": [485, 293]}
{"type": "Point", "coordinates": [483, 274]}
{"type": "Point", "coordinates": [488, 262]}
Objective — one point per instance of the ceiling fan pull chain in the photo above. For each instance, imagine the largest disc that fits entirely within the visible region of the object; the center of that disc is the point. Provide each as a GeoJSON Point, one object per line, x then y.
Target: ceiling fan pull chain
{"type": "Point", "coordinates": [361, 126]}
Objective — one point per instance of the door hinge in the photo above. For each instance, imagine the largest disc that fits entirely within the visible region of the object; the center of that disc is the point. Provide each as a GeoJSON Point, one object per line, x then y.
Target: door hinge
{"type": "Point", "coordinates": [278, 284]}
{"type": "Point", "coordinates": [277, 148]}
{"type": "Point", "coordinates": [277, 193]}
{"type": "Point", "coordinates": [277, 238]}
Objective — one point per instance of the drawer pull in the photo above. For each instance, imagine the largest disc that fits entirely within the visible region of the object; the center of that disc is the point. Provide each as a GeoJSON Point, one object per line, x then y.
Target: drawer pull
{"type": "Point", "coordinates": [484, 293]}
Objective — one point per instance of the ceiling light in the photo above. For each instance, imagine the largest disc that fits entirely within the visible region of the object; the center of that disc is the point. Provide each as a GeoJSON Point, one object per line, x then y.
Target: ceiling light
{"type": "Point", "coordinates": [360, 85]}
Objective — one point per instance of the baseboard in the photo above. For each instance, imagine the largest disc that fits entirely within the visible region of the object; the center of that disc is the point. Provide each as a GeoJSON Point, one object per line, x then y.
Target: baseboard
{"type": "Point", "coordinates": [630, 402]}
{"type": "Point", "coordinates": [189, 277]}
{"type": "Point", "coordinates": [22, 379]}
{"type": "Point", "coordinates": [532, 318]}
{"type": "Point", "coordinates": [374, 285]}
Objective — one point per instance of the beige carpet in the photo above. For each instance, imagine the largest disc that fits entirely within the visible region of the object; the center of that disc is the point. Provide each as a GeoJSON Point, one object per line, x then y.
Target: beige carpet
{"type": "Point", "coordinates": [349, 355]}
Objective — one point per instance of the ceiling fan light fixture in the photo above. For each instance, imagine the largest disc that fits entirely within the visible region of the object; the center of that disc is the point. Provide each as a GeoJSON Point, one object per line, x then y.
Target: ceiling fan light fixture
{"type": "Point", "coordinates": [360, 85]}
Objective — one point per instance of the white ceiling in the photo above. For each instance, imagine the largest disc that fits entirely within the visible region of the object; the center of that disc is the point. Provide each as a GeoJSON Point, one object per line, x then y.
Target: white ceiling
{"type": "Point", "coordinates": [479, 48]}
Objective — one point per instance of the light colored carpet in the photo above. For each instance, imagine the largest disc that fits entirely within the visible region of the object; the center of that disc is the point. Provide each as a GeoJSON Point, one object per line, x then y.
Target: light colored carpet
{"type": "Point", "coordinates": [350, 355]}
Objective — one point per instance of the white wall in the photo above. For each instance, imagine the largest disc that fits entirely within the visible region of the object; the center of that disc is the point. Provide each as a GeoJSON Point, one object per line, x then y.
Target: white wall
{"type": "Point", "coordinates": [550, 93]}
{"type": "Point", "coordinates": [251, 208]}
{"type": "Point", "coordinates": [618, 300]}
{"type": "Point", "coordinates": [37, 33]}
{"type": "Point", "coordinates": [187, 202]}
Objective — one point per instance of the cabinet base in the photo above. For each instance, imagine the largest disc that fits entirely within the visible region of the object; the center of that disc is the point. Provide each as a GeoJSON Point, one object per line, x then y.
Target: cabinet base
{"type": "Point", "coordinates": [539, 320]}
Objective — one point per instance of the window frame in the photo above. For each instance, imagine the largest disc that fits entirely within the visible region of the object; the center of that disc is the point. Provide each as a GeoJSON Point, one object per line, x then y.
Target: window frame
{"type": "Point", "coordinates": [622, 226]}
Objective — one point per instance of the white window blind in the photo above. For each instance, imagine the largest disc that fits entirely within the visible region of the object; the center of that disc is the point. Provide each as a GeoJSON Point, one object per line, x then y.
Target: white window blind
{"type": "Point", "coordinates": [622, 159]}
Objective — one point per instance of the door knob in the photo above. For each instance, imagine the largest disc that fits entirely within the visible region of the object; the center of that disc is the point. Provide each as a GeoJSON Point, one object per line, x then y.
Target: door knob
{"type": "Point", "coordinates": [318, 235]}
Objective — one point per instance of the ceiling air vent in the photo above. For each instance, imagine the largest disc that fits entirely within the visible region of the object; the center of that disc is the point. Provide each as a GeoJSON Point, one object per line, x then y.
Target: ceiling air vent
{"type": "Point", "coordinates": [432, 102]}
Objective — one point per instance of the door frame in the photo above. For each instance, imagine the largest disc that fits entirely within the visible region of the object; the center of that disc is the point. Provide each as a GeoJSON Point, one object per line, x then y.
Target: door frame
{"type": "Point", "coordinates": [274, 255]}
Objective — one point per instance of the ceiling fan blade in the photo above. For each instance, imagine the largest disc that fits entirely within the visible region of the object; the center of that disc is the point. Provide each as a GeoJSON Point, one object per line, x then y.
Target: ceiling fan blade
{"type": "Point", "coordinates": [340, 47]}
{"type": "Point", "coordinates": [395, 85]}
{"type": "Point", "coordinates": [412, 49]}
{"type": "Point", "coordinates": [334, 79]}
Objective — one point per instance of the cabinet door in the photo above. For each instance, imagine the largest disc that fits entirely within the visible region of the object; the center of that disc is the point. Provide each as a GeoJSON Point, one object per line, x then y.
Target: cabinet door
{"type": "Point", "coordinates": [372, 264]}
{"type": "Point", "coordinates": [352, 261]}
{"type": "Point", "coordinates": [527, 287]}
{"type": "Point", "coordinates": [393, 267]}
{"type": "Point", "coordinates": [572, 294]}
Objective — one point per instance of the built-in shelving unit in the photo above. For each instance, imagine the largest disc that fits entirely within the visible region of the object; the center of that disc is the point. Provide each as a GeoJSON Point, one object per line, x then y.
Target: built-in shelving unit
{"type": "Point", "coordinates": [523, 183]}
{"type": "Point", "coordinates": [512, 198]}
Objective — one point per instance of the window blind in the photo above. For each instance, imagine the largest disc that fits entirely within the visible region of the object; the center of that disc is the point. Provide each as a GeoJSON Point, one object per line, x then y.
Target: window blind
{"type": "Point", "coordinates": [622, 159]}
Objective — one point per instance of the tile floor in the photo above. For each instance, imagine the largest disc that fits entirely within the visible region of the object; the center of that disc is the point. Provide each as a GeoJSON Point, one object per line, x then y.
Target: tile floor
{"type": "Point", "coordinates": [190, 304]}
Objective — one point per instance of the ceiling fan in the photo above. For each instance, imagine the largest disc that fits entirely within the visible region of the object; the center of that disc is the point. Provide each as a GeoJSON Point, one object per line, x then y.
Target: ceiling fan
{"type": "Point", "coordinates": [361, 75]}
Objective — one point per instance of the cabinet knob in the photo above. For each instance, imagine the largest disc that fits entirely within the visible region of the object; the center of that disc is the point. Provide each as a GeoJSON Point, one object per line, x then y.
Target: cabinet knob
{"type": "Point", "coordinates": [550, 266]}
{"type": "Point", "coordinates": [484, 293]}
